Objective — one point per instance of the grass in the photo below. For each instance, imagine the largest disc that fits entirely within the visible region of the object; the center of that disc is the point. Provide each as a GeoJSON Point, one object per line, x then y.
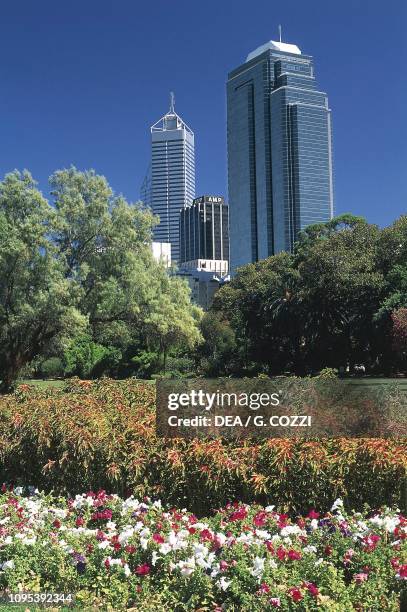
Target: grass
{"type": "Point", "coordinates": [42, 383]}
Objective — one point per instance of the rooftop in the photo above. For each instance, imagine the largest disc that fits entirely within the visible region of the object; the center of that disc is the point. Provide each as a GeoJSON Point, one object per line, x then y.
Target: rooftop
{"type": "Point", "coordinates": [273, 45]}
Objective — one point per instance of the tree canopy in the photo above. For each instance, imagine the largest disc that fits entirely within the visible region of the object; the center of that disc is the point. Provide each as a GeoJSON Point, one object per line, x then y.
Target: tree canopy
{"type": "Point", "coordinates": [82, 264]}
{"type": "Point", "coordinates": [329, 304]}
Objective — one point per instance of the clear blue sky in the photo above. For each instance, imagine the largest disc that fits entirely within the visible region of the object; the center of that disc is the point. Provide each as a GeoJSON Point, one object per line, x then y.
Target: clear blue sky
{"type": "Point", "coordinates": [82, 81]}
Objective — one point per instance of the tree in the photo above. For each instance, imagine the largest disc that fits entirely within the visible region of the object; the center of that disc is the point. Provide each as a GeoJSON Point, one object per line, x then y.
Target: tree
{"type": "Point", "coordinates": [82, 265]}
{"type": "Point", "coordinates": [328, 304]}
{"type": "Point", "coordinates": [36, 301]}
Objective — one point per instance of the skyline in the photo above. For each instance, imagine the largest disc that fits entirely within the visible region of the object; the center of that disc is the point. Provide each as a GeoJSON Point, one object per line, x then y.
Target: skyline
{"type": "Point", "coordinates": [82, 85]}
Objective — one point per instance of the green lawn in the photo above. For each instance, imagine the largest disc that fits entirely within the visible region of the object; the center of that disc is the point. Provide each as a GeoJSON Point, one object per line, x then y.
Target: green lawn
{"type": "Point", "coordinates": [39, 382]}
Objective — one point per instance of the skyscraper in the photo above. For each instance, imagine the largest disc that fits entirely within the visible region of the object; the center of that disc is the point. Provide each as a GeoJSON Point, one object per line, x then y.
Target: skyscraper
{"type": "Point", "coordinates": [171, 184]}
{"type": "Point", "coordinates": [279, 152]}
{"type": "Point", "coordinates": [204, 235]}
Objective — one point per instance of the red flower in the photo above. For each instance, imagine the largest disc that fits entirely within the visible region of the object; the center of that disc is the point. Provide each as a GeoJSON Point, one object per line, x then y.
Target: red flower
{"type": "Point", "coordinates": [260, 519]}
{"type": "Point", "coordinates": [142, 570]}
{"type": "Point", "coordinates": [281, 553]}
{"type": "Point", "coordinates": [270, 546]}
{"type": "Point", "coordinates": [130, 549]}
{"type": "Point", "coordinates": [238, 515]}
{"type": "Point", "coordinates": [312, 589]}
{"type": "Point", "coordinates": [206, 535]}
{"type": "Point", "coordinates": [402, 573]}
{"type": "Point", "coordinates": [158, 538]}
{"type": "Point", "coordinates": [79, 521]}
{"type": "Point", "coordinates": [313, 515]}
{"type": "Point", "coordinates": [56, 524]}
{"type": "Point", "coordinates": [264, 588]}
{"type": "Point", "coordinates": [107, 563]}
{"type": "Point", "coordinates": [295, 594]}
{"type": "Point", "coordinates": [328, 550]}
{"type": "Point", "coordinates": [294, 555]}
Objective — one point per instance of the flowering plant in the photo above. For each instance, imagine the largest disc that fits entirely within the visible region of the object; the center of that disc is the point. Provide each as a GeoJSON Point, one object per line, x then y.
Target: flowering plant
{"type": "Point", "coordinates": [123, 553]}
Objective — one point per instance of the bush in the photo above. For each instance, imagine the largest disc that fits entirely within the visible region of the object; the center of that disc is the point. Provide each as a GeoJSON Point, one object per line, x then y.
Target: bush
{"type": "Point", "coordinates": [117, 554]}
{"type": "Point", "coordinates": [102, 435]}
{"type": "Point", "coordinates": [52, 368]}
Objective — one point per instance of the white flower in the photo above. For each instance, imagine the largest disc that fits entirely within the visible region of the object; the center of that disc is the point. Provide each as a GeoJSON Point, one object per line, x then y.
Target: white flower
{"type": "Point", "coordinates": [103, 545]}
{"type": "Point", "coordinates": [338, 503]}
{"type": "Point", "coordinates": [29, 541]}
{"type": "Point", "coordinates": [314, 524]}
{"type": "Point", "coordinates": [127, 571]}
{"type": "Point", "coordinates": [310, 549]}
{"type": "Point", "coordinates": [273, 564]}
{"type": "Point", "coordinates": [292, 530]}
{"type": "Point", "coordinates": [320, 560]}
{"type": "Point", "coordinates": [7, 565]}
{"type": "Point", "coordinates": [223, 583]}
{"type": "Point", "coordinates": [110, 526]}
{"type": "Point", "coordinates": [187, 567]}
{"type": "Point", "coordinates": [269, 508]}
{"type": "Point", "coordinates": [263, 535]}
{"type": "Point", "coordinates": [5, 520]}
{"type": "Point", "coordinates": [258, 567]}
{"type": "Point", "coordinates": [154, 558]}
{"type": "Point", "coordinates": [165, 548]}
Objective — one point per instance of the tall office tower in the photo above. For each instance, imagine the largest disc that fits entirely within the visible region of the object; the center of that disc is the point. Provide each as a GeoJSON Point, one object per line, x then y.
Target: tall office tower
{"type": "Point", "coordinates": [279, 152]}
{"type": "Point", "coordinates": [172, 184]}
{"type": "Point", "coordinates": [204, 235]}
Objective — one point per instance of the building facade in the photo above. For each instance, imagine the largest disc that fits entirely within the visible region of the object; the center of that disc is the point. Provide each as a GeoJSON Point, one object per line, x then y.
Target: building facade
{"type": "Point", "coordinates": [204, 235]}
{"type": "Point", "coordinates": [279, 152]}
{"type": "Point", "coordinates": [170, 184]}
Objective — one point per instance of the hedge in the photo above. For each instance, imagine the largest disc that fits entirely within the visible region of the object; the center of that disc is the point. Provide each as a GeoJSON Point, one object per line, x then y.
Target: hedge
{"type": "Point", "coordinates": [101, 435]}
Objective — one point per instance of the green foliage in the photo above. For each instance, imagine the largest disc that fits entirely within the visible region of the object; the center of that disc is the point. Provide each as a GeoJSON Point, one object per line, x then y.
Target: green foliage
{"type": "Point", "coordinates": [36, 300]}
{"type": "Point", "coordinates": [82, 264]}
{"type": "Point", "coordinates": [327, 305]}
{"type": "Point", "coordinates": [85, 358]}
{"type": "Point", "coordinates": [101, 434]}
{"type": "Point", "coordinates": [52, 367]}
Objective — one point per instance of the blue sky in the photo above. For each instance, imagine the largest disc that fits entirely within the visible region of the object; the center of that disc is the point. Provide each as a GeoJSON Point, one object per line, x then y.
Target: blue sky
{"type": "Point", "coordinates": [82, 81]}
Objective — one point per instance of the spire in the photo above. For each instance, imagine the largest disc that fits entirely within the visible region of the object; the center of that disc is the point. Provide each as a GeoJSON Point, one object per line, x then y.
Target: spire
{"type": "Point", "coordinates": [279, 31]}
{"type": "Point", "coordinates": [172, 103]}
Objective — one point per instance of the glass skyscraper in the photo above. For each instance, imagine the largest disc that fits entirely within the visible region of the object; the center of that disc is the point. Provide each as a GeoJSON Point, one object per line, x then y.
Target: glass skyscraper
{"type": "Point", "coordinates": [170, 185]}
{"type": "Point", "coordinates": [279, 152]}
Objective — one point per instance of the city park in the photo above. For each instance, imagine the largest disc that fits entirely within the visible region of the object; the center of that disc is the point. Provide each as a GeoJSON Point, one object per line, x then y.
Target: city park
{"type": "Point", "coordinates": [101, 512]}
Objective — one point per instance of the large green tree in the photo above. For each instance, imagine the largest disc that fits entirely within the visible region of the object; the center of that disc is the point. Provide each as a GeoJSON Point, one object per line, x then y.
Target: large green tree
{"type": "Point", "coordinates": [331, 303]}
{"type": "Point", "coordinates": [36, 299]}
{"type": "Point", "coordinates": [82, 264]}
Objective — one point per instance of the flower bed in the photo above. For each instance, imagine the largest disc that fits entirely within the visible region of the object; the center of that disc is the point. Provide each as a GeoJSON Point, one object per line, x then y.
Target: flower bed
{"type": "Point", "coordinates": [101, 434]}
{"type": "Point", "coordinates": [121, 553]}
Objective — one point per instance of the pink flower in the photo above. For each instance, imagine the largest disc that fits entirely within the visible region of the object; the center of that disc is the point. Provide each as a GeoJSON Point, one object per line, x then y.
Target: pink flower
{"type": "Point", "coordinates": [223, 565]}
{"type": "Point", "coordinates": [313, 515]}
{"type": "Point", "coordinates": [275, 602]}
{"type": "Point", "coordinates": [264, 588]}
{"type": "Point", "coordinates": [158, 538]}
{"type": "Point", "coordinates": [260, 519]}
{"type": "Point", "coordinates": [360, 577]}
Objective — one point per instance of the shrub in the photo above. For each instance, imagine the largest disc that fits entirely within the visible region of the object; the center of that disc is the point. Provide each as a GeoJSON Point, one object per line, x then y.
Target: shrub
{"type": "Point", "coordinates": [101, 434]}
{"type": "Point", "coordinates": [52, 368]}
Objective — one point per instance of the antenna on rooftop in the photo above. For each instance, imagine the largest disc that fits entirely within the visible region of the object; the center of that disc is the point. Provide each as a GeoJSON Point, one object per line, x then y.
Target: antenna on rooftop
{"type": "Point", "coordinates": [172, 102]}
{"type": "Point", "coordinates": [279, 31]}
